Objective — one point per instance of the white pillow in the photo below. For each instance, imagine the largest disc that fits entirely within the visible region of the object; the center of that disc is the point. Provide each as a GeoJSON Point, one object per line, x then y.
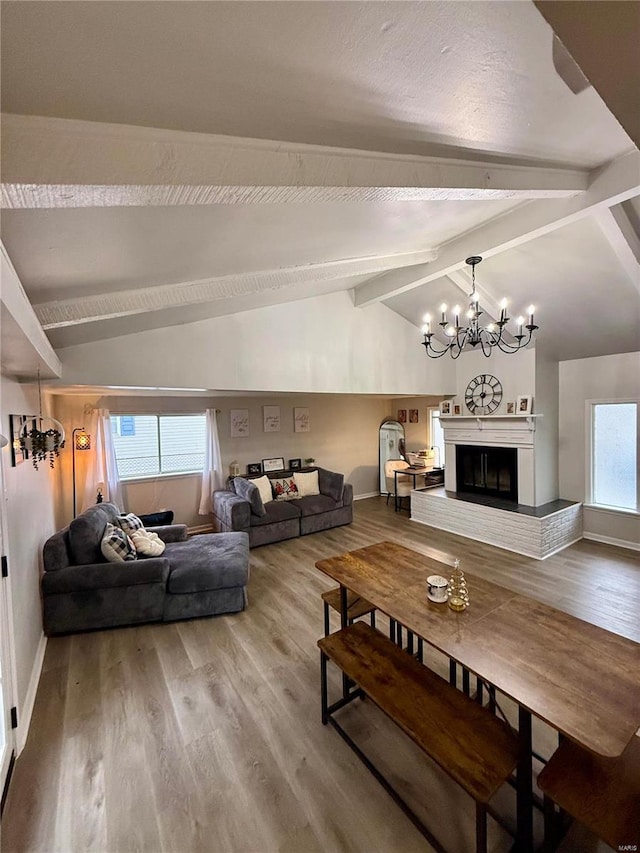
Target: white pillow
{"type": "Point", "coordinates": [147, 543]}
{"type": "Point", "coordinates": [263, 485]}
{"type": "Point", "coordinates": [116, 546]}
{"type": "Point", "coordinates": [307, 483]}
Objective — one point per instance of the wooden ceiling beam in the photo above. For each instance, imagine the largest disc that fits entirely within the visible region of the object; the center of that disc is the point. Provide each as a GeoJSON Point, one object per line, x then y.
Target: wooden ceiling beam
{"type": "Point", "coordinates": [62, 163]}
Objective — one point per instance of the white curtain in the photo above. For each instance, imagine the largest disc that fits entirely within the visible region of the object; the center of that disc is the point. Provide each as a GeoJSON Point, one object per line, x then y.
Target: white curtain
{"type": "Point", "coordinates": [103, 469]}
{"type": "Point", "coordinates": [212, 475]}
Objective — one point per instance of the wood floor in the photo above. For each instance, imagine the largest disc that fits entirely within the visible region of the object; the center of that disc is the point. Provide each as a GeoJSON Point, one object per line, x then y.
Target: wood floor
{"type": "Point", "coordinates": [206, 734]}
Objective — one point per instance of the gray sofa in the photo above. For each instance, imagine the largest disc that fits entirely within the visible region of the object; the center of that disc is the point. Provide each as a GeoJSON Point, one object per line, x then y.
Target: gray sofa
{"type": "Point", "coordinates": [286, 519]}
{"type": "Point", "coordinates": [198, 576]}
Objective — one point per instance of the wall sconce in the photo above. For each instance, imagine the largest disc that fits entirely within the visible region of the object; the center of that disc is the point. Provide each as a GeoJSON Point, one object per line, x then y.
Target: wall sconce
{"type": "Point", "coordinates": [81, 440]}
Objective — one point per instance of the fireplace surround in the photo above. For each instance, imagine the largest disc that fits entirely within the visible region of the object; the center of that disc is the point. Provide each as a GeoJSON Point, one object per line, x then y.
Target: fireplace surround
{"type": "Point", "coordinates": [487, 471]}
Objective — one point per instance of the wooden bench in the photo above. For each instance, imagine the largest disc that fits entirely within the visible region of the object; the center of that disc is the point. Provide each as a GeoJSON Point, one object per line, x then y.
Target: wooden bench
{"type": "Point", "coordinates": [356, 607]}
{"type": "Point", "coordinates": [474, 747]}
{"type": "Point", "coordinates": [601, 793]}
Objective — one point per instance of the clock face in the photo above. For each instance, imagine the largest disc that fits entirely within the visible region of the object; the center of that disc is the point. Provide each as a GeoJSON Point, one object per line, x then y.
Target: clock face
{"type": "Point", "coordinates": [483, 394]}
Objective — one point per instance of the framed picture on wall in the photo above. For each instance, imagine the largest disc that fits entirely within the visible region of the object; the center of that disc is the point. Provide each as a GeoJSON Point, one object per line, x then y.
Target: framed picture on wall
{"type": "Point", "coordinates": [511, 407]}
{"type": "Point", "coordinates": [457, 409]}
{"type": "Point", "coordinates": [295, 464]}
{"type": "Point", "coordinates": [275, 464]}
{"type": "Point", "coordinates": [239, 423]}
{"type": "Point", "coordinates": [445, 407]}
{"type": "Point", "coordinates": [301, 422]}
{"type": "Point", "coordinates": [271, 418]}
{"type": "Point", "coordinates": [414, 416]}
{"type": "Point", "coordinates": [525, 405]}
{"type": "Point", "coordinates": [402, 416]}
{"type": "Point", "coordinates": [254, 468]}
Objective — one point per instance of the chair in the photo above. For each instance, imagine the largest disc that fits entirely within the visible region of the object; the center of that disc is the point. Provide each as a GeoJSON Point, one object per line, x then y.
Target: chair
{"type": "Point", "coordinates": [401, 486]}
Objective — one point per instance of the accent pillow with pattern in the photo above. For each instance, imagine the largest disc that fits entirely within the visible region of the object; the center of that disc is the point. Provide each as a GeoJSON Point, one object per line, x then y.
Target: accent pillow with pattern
{"type": "Point", "coordinates": [116, 546]}
{"type": "Point", "coordinates": [130, 523]}
{"type": "Point", "coordinates": [285, 489]}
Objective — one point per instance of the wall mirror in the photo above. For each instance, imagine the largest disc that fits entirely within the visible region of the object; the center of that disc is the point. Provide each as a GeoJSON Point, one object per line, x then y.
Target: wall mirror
{"type": "Point", "coordinates": [391, 434]}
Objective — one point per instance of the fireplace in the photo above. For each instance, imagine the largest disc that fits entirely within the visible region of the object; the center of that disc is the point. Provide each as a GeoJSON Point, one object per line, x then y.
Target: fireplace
{"type": "Point", "coordinates": [488, 471]}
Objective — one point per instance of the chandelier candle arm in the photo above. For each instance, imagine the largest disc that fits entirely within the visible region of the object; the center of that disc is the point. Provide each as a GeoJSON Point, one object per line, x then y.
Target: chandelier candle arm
{"type": "Point", "coordinates": [474, 334]}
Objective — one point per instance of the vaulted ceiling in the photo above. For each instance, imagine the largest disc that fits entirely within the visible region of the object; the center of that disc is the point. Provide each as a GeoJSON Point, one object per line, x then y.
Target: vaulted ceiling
{"type": "Point", "coordinates": [164, 162]}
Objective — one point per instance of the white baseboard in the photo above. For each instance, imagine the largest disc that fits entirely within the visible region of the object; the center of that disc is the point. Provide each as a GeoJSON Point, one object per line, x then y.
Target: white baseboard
{"type": "Point", "coordinates": [609, 540]}
{"type": "Point", "coordinates": [26, 711]}
{"type": "Point", "coordinates": [366, 495]}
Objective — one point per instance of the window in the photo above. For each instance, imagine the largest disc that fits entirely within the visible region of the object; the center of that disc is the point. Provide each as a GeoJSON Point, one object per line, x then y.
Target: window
{"type": "Point", "coordinates": [614, 463]}
{"type": "Point", "coordinates": [153, 445]}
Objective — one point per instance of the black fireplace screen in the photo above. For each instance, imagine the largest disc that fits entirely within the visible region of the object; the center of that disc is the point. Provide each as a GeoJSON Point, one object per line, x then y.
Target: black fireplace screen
{"type": "Point", "coordinates": [490, 471]}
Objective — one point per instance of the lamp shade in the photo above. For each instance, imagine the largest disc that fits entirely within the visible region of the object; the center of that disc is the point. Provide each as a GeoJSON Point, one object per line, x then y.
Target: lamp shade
{"type": "Point", "coordinates": [83, 441]}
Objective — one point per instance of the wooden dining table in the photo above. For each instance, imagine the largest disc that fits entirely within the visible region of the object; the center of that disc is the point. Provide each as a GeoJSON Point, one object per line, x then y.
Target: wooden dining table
{"type": "Point", "coordinates": [580, 679]}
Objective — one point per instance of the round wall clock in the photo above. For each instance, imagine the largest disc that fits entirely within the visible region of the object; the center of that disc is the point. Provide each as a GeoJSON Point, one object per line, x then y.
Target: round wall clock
{"type": "Point", "coordinates": [483, 394]}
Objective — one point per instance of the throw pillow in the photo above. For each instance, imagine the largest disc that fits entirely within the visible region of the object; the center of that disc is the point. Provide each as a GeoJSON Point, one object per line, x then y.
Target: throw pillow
{"type": "Point", "coordinates": [307, 483]}
{"type": "Point", "coordinates": [263, 485]}
{"type": "Point", "coordinates": [247, 490]}
{"type": "Point", "coordinates": [130, 523]}
{"type": "Point", "coordinates": [116, 546]}
{"type": "Point", "coordinates": [285, 489]}
{"type": "Point", "coordinates": [147, 543]}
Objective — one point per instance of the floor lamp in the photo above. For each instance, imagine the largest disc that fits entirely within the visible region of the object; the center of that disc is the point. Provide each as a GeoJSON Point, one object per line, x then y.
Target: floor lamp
{"type": "Point", "coordinates": [80, 440]}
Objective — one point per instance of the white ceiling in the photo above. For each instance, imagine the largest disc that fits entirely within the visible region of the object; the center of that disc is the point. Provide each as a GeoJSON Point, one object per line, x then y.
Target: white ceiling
{"type": "Point", "coordinates": [456, 80]}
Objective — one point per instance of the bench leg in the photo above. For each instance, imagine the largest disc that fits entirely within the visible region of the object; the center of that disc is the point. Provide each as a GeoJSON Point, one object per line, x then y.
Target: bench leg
{"type": "Point", "coordinates": [550, 825]}
{"type": "Point", "coordinates": [453, 673]}
{"type": "Point", "coordinates": [481, 828]}
{"type": "Point", "coordinates": [420, 650]}
{"type": "Point", "coordinates": [372, 618]}
{"type": "Point", "coordinates": [323, 688]}
{"type": "Point", "coordinates": [327, 624]}
{"type": "Point", "coordinates": [524, 784]}
{"type": "Point", "coordinates": [465, 681]}
{"type": "Point", "coordinates": [392, 630]}
{"type": "Point", "coordinates": [410, 642]}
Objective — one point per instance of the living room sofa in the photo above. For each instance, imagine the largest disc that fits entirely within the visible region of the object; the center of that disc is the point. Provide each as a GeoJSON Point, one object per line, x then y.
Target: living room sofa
{"type": "Point", "coordinates": [285, 519]}
{"type": "Point", "coordinates": [195, 576]}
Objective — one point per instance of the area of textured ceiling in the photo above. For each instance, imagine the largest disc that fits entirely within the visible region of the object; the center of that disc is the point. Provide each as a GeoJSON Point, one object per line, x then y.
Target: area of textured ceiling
{"type": "Point", "coordinates": [60, 254]}
{"type": "Point", "coordinates": [583, 297]}
{"type": "Point", "coordinates": [396, 76]}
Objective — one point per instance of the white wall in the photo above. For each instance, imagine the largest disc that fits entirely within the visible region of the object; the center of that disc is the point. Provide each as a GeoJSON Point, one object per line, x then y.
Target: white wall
{"type": "Point", "coordinates": [29, 505]}
{"type": "Point", "coordinates": [323, 344]}
{"type": "Point", "coordinates": [516, 372]}
{"type": "Point", "coordinates": [343, 437]}
{"type": "Point", "coordinates": [609, 377]}
{"type": "Point", "coordinates": [546, 435]}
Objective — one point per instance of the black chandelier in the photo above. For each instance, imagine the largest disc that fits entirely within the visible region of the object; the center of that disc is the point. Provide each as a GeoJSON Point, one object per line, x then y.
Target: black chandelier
{"type": "Point", "coordinates": [473, 335]}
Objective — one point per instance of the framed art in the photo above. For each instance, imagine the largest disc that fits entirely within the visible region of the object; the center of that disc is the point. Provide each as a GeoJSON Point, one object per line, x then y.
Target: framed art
{"type": "Point", "coordinates": [239, 423]}
{"type": "Point", "coordinates": [402, 416]}
{"type": "Point", "coordinates": [301, 422]}
{"type": "Point", "coordinates": [511, 407]}
{"type": "Point", "coordinates": [271, 418]}
{"type": "Point", "coordinates": [457, 409]}
{"type": "Point", "coordinates": [445, 407]}
{"type": "Point", "coordinates": [17, 424]}
{"type": "Point", "coordinates": [275, 464]}
{"type": "Point", "coordinates": [414, 416]}
{"type": "Point", "coordinates": [525, 405]}
{"type": "Point", "coordinates": [254, 468]}
{"type": "Point", "coordinates": [295, 464]}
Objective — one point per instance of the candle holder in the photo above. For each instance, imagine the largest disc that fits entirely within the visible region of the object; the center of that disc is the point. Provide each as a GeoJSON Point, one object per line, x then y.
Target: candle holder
{"type": "Point", "coordinates": [458, 592]}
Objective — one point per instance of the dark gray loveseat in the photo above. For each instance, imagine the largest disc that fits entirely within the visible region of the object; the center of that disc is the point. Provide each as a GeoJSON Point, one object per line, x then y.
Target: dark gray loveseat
{"type": "Point", "coordinates": [286, 519]}
{"type": "Point", "coordinates": [198, 576]}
